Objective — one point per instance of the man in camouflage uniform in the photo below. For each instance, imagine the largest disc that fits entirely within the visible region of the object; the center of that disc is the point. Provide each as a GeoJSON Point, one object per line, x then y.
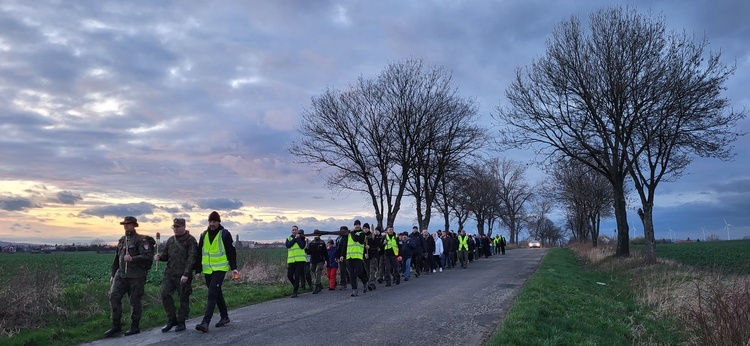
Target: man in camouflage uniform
{"type": "Point", "coordinates": [135, 254]}
{"type": "Point", "coordinates": [180, 253]}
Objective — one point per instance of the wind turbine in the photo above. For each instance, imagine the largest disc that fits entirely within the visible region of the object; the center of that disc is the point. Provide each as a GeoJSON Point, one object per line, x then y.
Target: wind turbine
{"type": "Point", "coordinates": [726, 227]}
{"type": "Point", "coordinates": [671, 234]}
{"type": "Point", "coordinates": [704, 233]}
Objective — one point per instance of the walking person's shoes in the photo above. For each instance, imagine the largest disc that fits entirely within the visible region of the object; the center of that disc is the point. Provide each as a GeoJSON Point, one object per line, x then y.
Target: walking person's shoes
{"type": "Point", "coordinates": [294, 295]}
{"type": "Point", "coordinates": [202, 327]}
{"type": "Point", "coordinates": [180, 326]}
{"type": "Point", "coordinates": [134, 329]}
{"type": "Point", "coordinates": [355, 293]}
{"type": "Point", "coordinates": [170, 324]}
{"type": "Point", "coordinates": [222, 322]}
{"type": "Point", "coordinates": [115, 329]}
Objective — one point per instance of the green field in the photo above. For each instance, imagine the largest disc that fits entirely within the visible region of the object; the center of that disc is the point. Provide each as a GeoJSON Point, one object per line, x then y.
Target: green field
{"type": "Point", "coordinates": [61, 298]}
{"type": "Point", "coordinates": [732, 257]}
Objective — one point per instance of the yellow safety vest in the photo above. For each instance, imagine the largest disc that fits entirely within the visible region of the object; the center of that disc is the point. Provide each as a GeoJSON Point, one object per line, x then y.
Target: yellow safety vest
{"type": "Point", "coordinates": [463, 242]}
{"type": "Point", "coordinates": [214, 258]}
{"type": "Point", "coordinates": [295, 253]}
{"type": "Point", "coordinates": [354, 250]}
{"type": "Point", "coordinates": [390, 243]}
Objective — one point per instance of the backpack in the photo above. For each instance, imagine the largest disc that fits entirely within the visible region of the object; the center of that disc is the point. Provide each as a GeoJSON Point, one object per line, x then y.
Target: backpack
{"type": "Point", "coordinates": [151, 241]}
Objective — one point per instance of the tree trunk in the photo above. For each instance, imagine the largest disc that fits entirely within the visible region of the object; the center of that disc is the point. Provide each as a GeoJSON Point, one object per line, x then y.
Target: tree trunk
{"type": "Point", "coordinates": [621, 215]}
{"type": "Point", "coordinates": [648, 232]}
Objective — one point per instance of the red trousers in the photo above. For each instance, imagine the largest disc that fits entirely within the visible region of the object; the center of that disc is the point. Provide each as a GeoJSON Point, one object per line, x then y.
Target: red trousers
{"type": "Point", "coordinates": [331, 272]}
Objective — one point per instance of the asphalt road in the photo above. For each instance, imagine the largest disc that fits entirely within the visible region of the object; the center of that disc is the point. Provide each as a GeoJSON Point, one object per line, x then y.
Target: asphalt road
{"type": "Point", "coordinates": [454, 307]}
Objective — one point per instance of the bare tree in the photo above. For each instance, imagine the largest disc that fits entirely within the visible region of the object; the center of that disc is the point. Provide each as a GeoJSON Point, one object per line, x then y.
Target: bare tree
{"type": "Point", "coordinates": [370, 134]}
{"type": "Point", "coordinates": [480, 192]}
{"type": "Point", "coordinates": [514, 193]}
{"type": "Point", "coordinates": [445, 138]}
{"type": "Point", "coordinates": [98, 243]}
{"type": "Point", "coordinates": [586, 194]}
{"type": "Point", "coordinates": [588, 96]}
{"type": "Point", "coordinates": [686, 118]}
{"type": "Point", "coordinates": [455, 198]}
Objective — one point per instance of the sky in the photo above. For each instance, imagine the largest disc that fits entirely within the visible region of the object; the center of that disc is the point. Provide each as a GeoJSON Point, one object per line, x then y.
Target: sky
{"type": "Point", "coordinates": [177, 108]}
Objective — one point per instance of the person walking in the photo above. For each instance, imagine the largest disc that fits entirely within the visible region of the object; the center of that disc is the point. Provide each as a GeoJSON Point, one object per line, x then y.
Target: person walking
{"type": "Point", "coordinates": [406, 251]}
{"type": "Point", "coordinates": [429, 247]}
{"type": "Point", "coordinates": [463, 248]}
{"type": "Point", "coordinates": [318, 258]}
{"type": "Point", "coordinates": [352, 249]}
{"type": "Point", "coordinates": [419, 249]}
{"type": "Point", "coordinates": [447, 250]}
{"type": "Point", "coordinates": [390, 255]}
{"type": "Point", "coordinates": [218, 257]}
{"type": "Point", "coordinates": [373, 254]}
{"type": "Point", "coordinates": [332, 265]}
{"type": "Point", "coordinates": [295, 260]}
{"type": "Point", "coordinates": [180, 253]}
{"type": "Point", "coordinates": [133, 259]}
{"type": "Point", "coordinates": [438, 253]}
{"type": "Point", "coordinates": [308, 267]}
{"type": "Point", "coordinates": [502, 244]}
{"type": "Point", "coordinates": [343, 272]}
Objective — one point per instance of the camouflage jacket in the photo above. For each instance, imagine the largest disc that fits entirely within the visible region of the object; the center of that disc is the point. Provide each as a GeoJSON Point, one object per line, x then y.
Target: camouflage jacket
{"type": "Point", "coordinates": [140, 249]}
{"type": "Point", "coordinates": [181, 254]}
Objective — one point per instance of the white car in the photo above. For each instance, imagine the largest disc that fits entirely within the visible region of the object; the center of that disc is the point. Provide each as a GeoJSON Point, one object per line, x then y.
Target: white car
{"type": "Point", "coordinates": [535, 244]}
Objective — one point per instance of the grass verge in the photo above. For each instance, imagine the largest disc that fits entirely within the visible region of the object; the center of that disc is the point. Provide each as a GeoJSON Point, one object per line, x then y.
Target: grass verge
{"type": "Point", "coordinates": [565, 303]}
{"type": "Point", "coordinates": [74, 330]}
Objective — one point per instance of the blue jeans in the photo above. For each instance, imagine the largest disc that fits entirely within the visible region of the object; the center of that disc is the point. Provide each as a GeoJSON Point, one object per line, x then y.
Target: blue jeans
{"type": "Point", "coordinates": [407, 270]}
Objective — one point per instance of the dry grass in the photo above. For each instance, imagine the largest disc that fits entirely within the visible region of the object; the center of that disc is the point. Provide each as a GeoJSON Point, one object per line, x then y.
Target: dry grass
{"type": "Point", "coordinates": [713, 308]}
{"type": "Point", "coordinates": [28, 300]}
{"type": "Point", "coordinates": [263, 273]}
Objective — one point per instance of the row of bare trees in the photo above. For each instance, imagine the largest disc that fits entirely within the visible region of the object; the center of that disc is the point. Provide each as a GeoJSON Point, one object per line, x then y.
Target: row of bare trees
{"type": "Point", "coordinates": [407, 132]}
{"type": "Point", "coordinates": [627, 99]}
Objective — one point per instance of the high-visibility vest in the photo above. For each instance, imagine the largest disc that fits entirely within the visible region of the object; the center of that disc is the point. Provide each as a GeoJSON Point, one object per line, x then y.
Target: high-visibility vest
{"type": "Point", "coordinates": [354, 250]}
{"type": "Point", "coordinates": [295, 253]}
{"type": "Point", "coordinates": [214, 257]}
{"type": "Point", "coordinates": [463, 242]}
{"type": "Point", "coordinates": [390, 243]}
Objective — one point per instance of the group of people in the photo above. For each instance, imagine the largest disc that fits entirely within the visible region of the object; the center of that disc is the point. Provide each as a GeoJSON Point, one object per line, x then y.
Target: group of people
{"type": "Point", "coordinates": [212, 255]}
{"type": "Point", "coordinates": [371, 256]}
{"type": "Point", "coordinates": [357, 254]}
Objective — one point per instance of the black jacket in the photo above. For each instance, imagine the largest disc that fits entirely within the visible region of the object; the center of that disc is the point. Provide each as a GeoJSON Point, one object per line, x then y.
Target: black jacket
{"type": "Point", "coordinates": [416, 240]}
{"type": "Point", "coordinates": [317, 251]}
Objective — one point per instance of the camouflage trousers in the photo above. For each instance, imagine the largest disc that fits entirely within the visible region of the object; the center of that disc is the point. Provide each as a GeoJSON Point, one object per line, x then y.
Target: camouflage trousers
{"type": "Point", "coordinates": [134, 289]}
{"type": "Point", "coordinates": [169, 285]}
{"type": "Point", "coordinates": [373, 268]}
{"type": "Point", "coordinates": [318, 270]}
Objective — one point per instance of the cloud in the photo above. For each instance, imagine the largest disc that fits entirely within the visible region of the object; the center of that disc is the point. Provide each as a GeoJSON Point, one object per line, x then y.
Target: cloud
{"type": "Point", "coordinates": [11, 203]}
{"type": "Point", "coordinates": [68, 197]}
{"type": "Point", "coordinates": [121, 210]}
{"type": "Point", "coordinates": [219, 203]}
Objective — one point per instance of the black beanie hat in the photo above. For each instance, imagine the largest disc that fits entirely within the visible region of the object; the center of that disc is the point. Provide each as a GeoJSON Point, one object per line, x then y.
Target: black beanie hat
{"type": "Point", "coordinates": [366, 225]}
{"type": "Point", "coordinates": [357, 222]}
{"type": "Point", "coordinates": [214, 216]}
